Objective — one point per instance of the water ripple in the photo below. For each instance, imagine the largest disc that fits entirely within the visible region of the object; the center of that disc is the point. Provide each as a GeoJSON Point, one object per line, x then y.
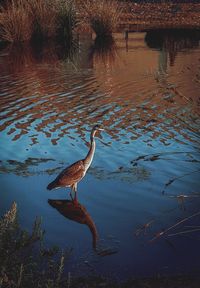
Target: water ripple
{"type": "Point", "coordinates": [51, 99]}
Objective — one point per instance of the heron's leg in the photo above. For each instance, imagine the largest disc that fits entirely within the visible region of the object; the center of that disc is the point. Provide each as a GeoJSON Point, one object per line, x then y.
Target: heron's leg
{"type": "Point", "coordinates": [71, 193]}
{"type": "Point", "coordinates": [75, 192]}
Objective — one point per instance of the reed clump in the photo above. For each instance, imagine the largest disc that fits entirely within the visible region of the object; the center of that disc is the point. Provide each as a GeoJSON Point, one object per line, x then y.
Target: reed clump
{"type": "Point", "coordinates": [16, 23]}
{"type": "Point", "coordinates": [23, 20]}
{"type": "Point", "coordinates": [103, 16]}
{"type": "Point", "coordinates": [43, 13]}
{"type": "Point", "coordinates": [67, 19]}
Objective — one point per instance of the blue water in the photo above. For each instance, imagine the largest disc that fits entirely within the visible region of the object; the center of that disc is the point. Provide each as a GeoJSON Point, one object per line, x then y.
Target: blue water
{"type": "Point", "coordinates": [147, 98]}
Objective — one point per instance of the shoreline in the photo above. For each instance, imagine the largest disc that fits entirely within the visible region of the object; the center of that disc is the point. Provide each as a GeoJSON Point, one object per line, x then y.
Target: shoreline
{"type": "Point", "coordinates": [177, 281]}
{"type": "Point", "coordinates": [149, 16]}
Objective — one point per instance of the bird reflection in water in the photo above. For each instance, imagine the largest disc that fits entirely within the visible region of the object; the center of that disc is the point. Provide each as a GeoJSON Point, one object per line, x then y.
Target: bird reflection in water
{"type": "Point", "coordinates": [75, 211]}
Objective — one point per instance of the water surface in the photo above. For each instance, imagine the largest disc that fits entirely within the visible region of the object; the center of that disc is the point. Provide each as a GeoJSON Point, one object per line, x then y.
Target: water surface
{"type": "Point", "coordinates": [145, 91]}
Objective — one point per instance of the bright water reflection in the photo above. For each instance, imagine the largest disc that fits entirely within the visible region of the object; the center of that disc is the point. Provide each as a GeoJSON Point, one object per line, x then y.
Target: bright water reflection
{"type": "Point", "coordinates": [146, 168]}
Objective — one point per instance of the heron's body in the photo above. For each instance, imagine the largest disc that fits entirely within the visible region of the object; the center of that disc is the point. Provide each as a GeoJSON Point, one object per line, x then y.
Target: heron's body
{"type": "Point", "coordinates": [71, 175]}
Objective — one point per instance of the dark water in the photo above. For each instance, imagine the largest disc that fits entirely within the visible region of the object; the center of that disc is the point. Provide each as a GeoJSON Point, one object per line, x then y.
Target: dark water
{"type": "Point", "coordinates": [146, 167]}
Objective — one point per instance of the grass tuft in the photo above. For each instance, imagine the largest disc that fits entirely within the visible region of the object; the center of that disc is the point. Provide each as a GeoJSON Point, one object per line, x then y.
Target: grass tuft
{"type": "Point", "coordinates": [15, 21]}
{"type": "Point", "coordinates": [23, 20]}
{"type": "Point", "coordinates": [66, 19]}
{"type": "Point", "coordinates": [44, 18]}
{"type": "Point", "coordinates": [103, 16]}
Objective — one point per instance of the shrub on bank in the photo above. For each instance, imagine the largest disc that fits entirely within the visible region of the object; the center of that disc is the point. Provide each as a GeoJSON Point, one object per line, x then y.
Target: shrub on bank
{"type": "Point", "coordinates": [24, 262]}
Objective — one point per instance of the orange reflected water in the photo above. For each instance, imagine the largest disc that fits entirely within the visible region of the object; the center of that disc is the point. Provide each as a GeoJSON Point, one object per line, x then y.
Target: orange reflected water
{"type": "Point", "coordinates": [135, 90]}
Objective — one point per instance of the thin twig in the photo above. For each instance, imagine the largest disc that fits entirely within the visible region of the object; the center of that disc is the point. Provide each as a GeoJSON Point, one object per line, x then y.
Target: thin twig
{"type": "Point", "coordinates": [143, 228]}
{"type": "Point", "coordinates": [158, 235]}
{"type": "Point", "coordinates": [60, 269]}
{"type": "Point", "coordinates": [183, 232]}
{"type": "Point", "coordinates": [20, 276]}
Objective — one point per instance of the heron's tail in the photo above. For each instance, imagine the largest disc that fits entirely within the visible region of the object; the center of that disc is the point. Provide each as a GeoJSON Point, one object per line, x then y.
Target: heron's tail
{"type": "Point", "coordinates": [52, 185]}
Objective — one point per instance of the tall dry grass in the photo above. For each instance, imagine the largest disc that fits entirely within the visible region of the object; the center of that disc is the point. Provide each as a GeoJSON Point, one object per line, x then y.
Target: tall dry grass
{"type": "Point", "coordinates": [102, 15]}
{"type": "Point", "coordinates": [44, 15]}
{"type": "Point", "coordinates": [67, 19]}
{"type": "Point", "coordinates": [22, 20]}
{"type": "Point", "coordinates": [15, 21]}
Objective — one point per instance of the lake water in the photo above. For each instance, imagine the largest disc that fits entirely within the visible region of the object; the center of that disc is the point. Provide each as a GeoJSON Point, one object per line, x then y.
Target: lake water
{"type": "Point", "coordinates": [145, 92]}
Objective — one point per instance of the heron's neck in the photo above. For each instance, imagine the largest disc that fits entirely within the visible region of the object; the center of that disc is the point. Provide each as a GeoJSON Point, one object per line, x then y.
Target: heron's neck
{"type": "Point", "coordinates": [88, 159]}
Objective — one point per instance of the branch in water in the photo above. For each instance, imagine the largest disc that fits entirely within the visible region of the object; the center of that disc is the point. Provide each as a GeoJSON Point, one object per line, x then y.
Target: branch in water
{"type": "Point", "coordinates": [177, 178]}
{"type": "Point", "coordinates": [159, 234]}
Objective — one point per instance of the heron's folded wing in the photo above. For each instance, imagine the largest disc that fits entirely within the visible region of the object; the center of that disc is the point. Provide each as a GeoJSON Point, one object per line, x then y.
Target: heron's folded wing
{"type": "Point", "coordinates": [72, 174]}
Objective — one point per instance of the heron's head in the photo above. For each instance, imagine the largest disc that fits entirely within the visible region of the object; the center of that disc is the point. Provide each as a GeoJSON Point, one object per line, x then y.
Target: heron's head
{"type": "Point", "coordinates": [95, 129]}
{"type": "Point", "coordinates": [98, 128]}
